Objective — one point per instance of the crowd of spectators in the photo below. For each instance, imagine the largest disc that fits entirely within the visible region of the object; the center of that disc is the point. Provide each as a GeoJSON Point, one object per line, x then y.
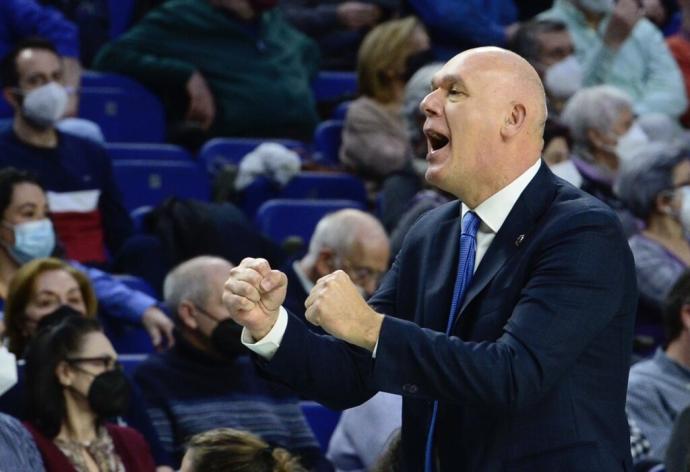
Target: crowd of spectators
{"type": "Point", "coordinates": [616, 75]}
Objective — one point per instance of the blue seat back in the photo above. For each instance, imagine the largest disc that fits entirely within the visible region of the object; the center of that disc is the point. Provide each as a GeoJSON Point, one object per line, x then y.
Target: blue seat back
{"type": "Point", "coordinates": [322, 421]}
{"type": "Point", "coordinates": [124, 115]}
{"type": "Point", "coordinates": [148, 151]}
{"type": "Point", "coordinates": [341, 111]}
{"type": "Point", "coordinates": [327, 140]}
{"type": "Point", "coordinates": [281, 218]}
{"type": "Point", "coordinates": [220, 151]}
{"type": "Point", "coordinates": [149, 182]}
{"type": "Point", "coordinates": [332, 86]}
{"type": "Point", "coordinates": [130, 362]}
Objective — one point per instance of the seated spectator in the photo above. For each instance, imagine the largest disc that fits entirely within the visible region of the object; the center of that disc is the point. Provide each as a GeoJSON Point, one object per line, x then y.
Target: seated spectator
{"type": "Point", "coordinates": [556, 153]}
{"type": "Point", "coordinates": [617, 46]}
{"type": "Point", "coordinates": [87, 210]}
{"type": "Point", "coordinates": [20, 19]}
{"type": "Point", "coordinates": [27, 234]}
{"type": "Point", "coordinates": [657, 387]}
{"type": "Point", "coordinates": [338, 26]}
{"type": "Point", "coordinates": [416, 89]}
{"type": "Point", "coordinates": [374, 141]}
{"type": "Point", "coordinates": [230, 450]}
{"type": "Point", "coordinates": [657, 190]}
{"type": "Point", "coordinates": [18, 449]}
{"type": "Point", "coordinates": [548, 47]}
{"type": "Point", "coordinates": [455, 26]}
{"type": "Point", "coordinates": [679, 44]}
{"type": "Point", "coordinates": [74, 385]}
{"type": "Point", "coordinates": [605, 137]}
{"type": "Point", "coordinates": [231, 68]}
{"type": "Point", "coordinates": [362, 433]}
{"type": "Point", "coordinates": [348, 240]}
{"type": "Point", "coordinates": [208, 381]}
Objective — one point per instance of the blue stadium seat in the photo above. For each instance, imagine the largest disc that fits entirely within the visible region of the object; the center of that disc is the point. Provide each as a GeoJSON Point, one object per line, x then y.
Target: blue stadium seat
{"type": "Point", "coordinates": [341, 110]}
{"type": "Point", "coordinates": [220, 151]}
{"type": "Point", "coordinates": [6, 111]}
{"type": "Point", "coordinates": [322, 421]}
{"type": "Point", "coordinates": [331, 86]}
{"type": "Point", "coordinates": [327, 140]}
{"type": "Point", "coordinates": [148, 151]}
{"type": "Point", "coordinates": [120, 16]}
{"type": "Point", "coordinates": [124, 115]}
{"type": "Point", "coordinates": [282, 218]}
{"type": "Point", "coordinates": [149, 182]}
{"type": "Point", "coordinates": [130, 362]}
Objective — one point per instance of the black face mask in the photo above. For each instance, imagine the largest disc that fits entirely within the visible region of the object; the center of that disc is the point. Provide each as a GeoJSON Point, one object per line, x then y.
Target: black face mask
{"type": "Point", "coordinates": [109, 394]}
{"type": "Point", "coordinates": [226, 337]}
{"type": "Point", "coordinates": [56, 317]}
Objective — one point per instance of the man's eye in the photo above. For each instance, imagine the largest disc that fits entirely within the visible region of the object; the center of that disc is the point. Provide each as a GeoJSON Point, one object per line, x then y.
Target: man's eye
{"type": "Point", "coordinates": [453, 92]}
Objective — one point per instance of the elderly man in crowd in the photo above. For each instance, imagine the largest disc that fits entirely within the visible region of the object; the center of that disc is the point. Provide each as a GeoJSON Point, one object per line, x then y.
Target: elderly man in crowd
{"type": "Point", "coordinates": [349, 240]}
{"type": "Point", "coordinates": [657, 387]}
{"type": "Point", "coordinates": [616, 45]}
{"type": "Point", "coordinates": [207, 380]}
{"type": "Point", "coordinates": [605, 138]}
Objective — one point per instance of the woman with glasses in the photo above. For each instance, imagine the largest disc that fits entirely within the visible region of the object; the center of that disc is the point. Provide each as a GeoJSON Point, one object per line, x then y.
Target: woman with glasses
{"type": "Point", "coordinates": [655, 186]}
{"type": "Point", "coordinates": [74, 384]}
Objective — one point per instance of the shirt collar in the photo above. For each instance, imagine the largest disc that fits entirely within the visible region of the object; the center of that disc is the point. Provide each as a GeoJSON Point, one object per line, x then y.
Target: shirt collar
{"type": "Point", "coordinates": [494, 210]}
{"type": "Point", "coordinates": [307, 284]}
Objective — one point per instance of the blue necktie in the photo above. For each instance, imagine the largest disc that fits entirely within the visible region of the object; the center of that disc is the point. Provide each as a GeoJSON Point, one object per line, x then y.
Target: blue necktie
{"type": "Point", "coordinates": [468, 249]}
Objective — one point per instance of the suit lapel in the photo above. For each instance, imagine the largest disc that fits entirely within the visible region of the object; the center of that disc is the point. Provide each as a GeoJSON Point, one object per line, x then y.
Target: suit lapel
{"type": "Point", "coordinates": [515, 231]}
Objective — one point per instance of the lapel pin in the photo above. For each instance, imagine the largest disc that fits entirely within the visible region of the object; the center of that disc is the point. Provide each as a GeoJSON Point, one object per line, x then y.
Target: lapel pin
{"type": "Point", "coordinates": [519, 240]}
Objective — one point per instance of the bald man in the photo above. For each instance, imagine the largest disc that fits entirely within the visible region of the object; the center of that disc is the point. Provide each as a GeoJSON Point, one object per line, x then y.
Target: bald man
{"type": "Point", "coordinates": [506, 319]}
{"type": "Point", "coordinates": [349, 240]}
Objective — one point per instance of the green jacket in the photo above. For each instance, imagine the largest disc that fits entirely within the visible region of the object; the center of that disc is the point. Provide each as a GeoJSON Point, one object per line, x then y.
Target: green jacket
{"type": "Point", "coordinates": [259, 73]}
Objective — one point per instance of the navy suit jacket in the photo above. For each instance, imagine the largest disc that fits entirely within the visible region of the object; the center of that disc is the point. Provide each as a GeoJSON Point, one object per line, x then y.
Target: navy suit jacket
{"type": "Point", "coordinates": [534, 375]}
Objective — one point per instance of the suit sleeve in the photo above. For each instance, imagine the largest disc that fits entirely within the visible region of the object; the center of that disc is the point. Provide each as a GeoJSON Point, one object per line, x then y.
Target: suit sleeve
{"type": "Point", "coordinates": [575, 289]}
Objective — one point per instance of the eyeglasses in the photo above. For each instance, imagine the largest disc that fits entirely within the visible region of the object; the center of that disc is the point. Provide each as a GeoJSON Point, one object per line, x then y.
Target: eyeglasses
{"type": "Point", "coordinates": [362, 273]}
{"type": "Point", "coordinates": [106, 362]}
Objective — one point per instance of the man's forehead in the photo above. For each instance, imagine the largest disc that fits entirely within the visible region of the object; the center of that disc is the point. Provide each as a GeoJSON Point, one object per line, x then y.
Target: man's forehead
{"type": "Point", "coordinates": [31, 58]}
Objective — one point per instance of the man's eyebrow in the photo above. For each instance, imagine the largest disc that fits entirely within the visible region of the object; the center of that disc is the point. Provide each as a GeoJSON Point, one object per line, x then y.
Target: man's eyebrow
{"type": "Point", "coordinates": [448, 80]}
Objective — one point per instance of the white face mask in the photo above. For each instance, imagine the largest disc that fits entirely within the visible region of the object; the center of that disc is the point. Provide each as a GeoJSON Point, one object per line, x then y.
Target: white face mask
{"type": "Point", "coordinates": [45, 105]}
{"type": "Point", "coordinates": [630, 143]}
{"type": "Point", "coordinates": [685, 209]}
{"type": "Point", "coordinates": [597, 6]}
{"type": "Point", "coordinates": [32, 240]}
{"type": "Point", "coordinates": [564, 78]}
{"type": "Point", "coordinates": [567, 171]}
{"type": "Point", "coordinates": [8, 370]}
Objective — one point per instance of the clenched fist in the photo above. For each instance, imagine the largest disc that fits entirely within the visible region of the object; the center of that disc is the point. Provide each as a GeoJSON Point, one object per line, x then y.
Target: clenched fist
{"type": "Point", "coordinates": [336, 305]}
{"type": "Point", "coordinates": [253, 295]}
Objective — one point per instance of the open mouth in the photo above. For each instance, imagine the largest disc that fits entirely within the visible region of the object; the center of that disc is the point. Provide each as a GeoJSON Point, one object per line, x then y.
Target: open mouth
{"type": "Point", "coordinates": [436, 140]}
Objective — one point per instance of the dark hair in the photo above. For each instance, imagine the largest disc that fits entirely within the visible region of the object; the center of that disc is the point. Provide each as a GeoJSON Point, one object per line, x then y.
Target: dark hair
{"type": "Point", "coordinates": [525, 42]}
{"type": "Point", "coordinates": [673, 304]}
{"type": "Point", "coordinates": [9, 75]}
{"type": "Point", "coordinates": [231, 450]}
{"type": "Point", "coordinates": [52, 345]}
{"type": "Point", "coordinates": [9, 178]}
{"type": "Point", "coordinates": [555, 128]}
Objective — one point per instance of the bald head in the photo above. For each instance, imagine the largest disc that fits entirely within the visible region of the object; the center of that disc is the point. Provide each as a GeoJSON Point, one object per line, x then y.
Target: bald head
{"type": "Point", "coordinates": [484, 122]}
{"type": "Point", "coordinates": [342, 230]}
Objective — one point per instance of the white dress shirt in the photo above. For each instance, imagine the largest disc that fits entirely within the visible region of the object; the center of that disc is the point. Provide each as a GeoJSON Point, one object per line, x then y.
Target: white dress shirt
{"type": "Point", "coordinates": [492, 212]}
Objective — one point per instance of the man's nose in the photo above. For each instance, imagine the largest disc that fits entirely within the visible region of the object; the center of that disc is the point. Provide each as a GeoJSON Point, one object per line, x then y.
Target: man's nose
{"type": "Point", "coordinates": [430, 104]}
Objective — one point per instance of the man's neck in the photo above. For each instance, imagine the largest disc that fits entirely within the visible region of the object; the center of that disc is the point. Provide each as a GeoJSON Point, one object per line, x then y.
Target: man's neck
{"type": "Point", "coordinates": [679, 350]}
{"type": "Point", "coordinates": [44, 138]}
{"type": "Point", "coordinates": [605, 159]}
{"type": "Point", "coordinates": [664, 228]}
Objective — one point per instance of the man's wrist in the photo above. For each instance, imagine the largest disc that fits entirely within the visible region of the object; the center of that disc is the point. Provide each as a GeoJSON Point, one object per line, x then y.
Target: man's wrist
{"type": "Point", "coordinates": [259, 334]}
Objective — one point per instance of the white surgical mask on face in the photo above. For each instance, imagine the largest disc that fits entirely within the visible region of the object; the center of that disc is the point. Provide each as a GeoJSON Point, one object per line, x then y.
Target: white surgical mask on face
{"type": "Point", "coordinates": [630, 143]}
{"type": "Point", "coordinates": [564, 78]}
{"type": "Point", "coordinates": [597, 6]}
{"type": "Point", "coordinates": [32, 240]}
{"type": "Point", "coordinates": [567, 171]}
{"type": "Point", "coordinates": [8, 370]}
{"type": "Point", "coordinates": [45, 105]}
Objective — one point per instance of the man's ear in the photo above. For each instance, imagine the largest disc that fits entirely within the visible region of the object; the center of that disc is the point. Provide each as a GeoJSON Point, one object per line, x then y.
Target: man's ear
{"type": "Point", "coordinates": [64, 374]}
{"type": "Point", "coordinates": [662, 201]}
{"type": "Point", "coordinates": [185, 311]}
{"type": "Point", "coordinates": [325, 263]}
{"type": "Point", "coordinates": [11, 97]}
{"type": "Point", "coordinates": [514, 121]}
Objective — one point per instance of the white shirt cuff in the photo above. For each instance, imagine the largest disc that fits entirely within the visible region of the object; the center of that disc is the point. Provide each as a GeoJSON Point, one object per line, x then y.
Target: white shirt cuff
{"type": "Point", "coordinates": [269, 344]}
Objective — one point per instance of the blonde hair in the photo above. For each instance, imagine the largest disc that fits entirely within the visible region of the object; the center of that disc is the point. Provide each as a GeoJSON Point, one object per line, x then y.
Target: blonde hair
{"type": "Point", "coordinates": [21, 290]}
{"type": "Point", "coordinates": [385, 48]}
{"type": "Point", "coordinates": [231, 450]}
